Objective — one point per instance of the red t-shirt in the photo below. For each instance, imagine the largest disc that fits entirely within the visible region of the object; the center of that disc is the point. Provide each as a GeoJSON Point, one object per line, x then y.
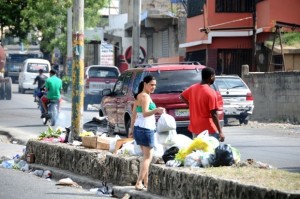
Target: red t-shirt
{"type": "Point", "coordinates": [202, 99]}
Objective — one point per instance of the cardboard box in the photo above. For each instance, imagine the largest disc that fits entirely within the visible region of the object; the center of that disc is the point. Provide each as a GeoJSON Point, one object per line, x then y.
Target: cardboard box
{"type": "Point", "coordinates": [89, 141]}
{"type": "Point", "coordinates": [120, 142]}
{"type": "Point", "coordinates": [103, 143]}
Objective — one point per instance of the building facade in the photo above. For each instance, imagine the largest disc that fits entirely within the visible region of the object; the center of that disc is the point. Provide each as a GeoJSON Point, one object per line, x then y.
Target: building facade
{"type": "Point", "coordinates": [223, 33]}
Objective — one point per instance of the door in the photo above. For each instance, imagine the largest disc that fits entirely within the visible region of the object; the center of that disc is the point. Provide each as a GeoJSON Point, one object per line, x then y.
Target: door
{"type": "Point", "coordinates": [124, 99]}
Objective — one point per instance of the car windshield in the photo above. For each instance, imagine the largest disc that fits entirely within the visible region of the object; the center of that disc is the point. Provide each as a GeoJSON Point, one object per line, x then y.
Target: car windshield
{"type": "Point", "coordinates": [175, 81]}
{"type": "Point", "coordinates": [103, 72]}
{"type": "Point", "coordinates": [230, 83]}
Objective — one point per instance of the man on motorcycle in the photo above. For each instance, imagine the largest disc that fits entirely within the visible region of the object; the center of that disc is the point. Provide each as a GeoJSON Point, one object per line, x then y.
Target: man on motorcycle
{"type": "Point", "coordinates": [40, 80]}
{"type": "Point", "coordinates": [53, 87]}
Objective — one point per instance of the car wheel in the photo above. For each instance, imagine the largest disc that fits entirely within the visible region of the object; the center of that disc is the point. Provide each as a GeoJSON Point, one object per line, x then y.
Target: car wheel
{"type": "Point", "coordinates": [2, 90]}
{"type": "Point", "coordinates": [8, 90]}
{"type": "Point", "coordinates": [225, 121]}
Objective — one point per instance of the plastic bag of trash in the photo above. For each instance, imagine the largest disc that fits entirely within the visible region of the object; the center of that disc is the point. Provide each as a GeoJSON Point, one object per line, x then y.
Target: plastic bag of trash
{"type": "Point", "coordinates": [104, 190]}
{"type": "Point", "coordinates": [170, 154]}
{"type": "Point", "coordinates": [112, 143]}
{"type": "Point", "coordinates": [224, 156]}
{"type": "Point", "coordinates": [193, 159]}
{"type": "Point", "coordinates": [165, 123]}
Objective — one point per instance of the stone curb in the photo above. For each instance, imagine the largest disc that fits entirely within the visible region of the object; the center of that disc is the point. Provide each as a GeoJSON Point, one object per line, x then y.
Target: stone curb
{"type": "Point", "coordinates": [163, 181]}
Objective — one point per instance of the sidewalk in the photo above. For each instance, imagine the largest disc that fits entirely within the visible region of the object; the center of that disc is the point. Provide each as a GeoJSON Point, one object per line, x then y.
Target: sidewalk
{"type": "Point", "coordinates": [10, 150]}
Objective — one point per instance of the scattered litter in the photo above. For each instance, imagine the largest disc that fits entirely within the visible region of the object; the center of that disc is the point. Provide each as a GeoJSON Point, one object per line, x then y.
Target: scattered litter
{"type": "Point", "coordinates": [126, 196]}
{"type": "Point", "coordinates": [41, 173]}
{"type": "Point", "coordinates": [67, 182]}
{"type": "Point", "coordinates": [104, 190]}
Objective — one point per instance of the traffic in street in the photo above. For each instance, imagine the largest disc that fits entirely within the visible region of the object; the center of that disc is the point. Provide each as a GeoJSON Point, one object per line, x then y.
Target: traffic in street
{"type": "Point", "coordinates": [274, 144]}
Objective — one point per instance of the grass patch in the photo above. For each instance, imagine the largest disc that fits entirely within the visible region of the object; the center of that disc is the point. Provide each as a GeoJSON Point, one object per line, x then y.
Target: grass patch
{"type": "Point", "coordinates": [266, 178]}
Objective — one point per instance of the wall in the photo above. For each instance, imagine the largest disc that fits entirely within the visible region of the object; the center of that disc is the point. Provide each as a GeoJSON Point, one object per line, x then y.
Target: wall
{"type": "Point", "coordinates": [276, 96]}
{"type": "Point", "coordinates": [179, 183]}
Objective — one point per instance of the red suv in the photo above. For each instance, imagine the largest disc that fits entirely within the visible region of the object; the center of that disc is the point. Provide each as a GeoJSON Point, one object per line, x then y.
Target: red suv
{"type": "Point", "coordinates": [171, 79]}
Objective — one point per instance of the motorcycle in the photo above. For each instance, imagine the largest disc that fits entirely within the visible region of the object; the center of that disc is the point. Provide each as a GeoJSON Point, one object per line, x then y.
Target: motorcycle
{"type": "Point", "coordinates": [53, 109]}
{"type": "Point", "coordinates": [52, 116]}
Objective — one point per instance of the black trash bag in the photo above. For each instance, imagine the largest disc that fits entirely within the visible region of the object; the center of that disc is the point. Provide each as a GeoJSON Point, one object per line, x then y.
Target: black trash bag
{"type": "Point", "coordinates": [95, 125]}
{"type": "Point", "coordinates": [105, 190]}
{"type": "Point", "coordinates": [170, 154]}
{"type": "Point", "coordinates": [223, 156]}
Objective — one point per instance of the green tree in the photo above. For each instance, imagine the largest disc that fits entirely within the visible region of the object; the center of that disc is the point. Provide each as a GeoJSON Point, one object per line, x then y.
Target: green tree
{"type": "Point", "coordinates": [50, 18]}
{"type": "Point", "coordinates": [11, 18]}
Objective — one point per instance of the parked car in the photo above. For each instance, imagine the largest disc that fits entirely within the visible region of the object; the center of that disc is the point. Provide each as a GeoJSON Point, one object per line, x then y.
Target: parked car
{"type": "Point", "coordinates": [29, 71]}
{"type": "Point", "coordinates": [172, 79]}
{"type": "Point", "coordinates": [237, 98]}
{"type": "Point", "coordinates": [97, 78]}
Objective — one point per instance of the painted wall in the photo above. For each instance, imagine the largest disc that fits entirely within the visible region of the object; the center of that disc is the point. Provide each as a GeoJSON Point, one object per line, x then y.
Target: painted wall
{"type": "Point", "coordinates": [276, 96]}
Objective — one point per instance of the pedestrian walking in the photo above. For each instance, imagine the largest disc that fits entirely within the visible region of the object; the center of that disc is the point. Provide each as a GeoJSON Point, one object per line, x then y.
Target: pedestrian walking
{"type": "Point", "coordinates": [203, 105]}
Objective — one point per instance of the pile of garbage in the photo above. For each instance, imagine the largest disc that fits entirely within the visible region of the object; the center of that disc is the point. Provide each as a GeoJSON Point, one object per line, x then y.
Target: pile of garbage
{"type": "Point", "coordinates": [178, 150]}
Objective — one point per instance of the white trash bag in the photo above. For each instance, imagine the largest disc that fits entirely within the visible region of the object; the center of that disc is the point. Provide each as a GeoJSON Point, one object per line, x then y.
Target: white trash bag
{"type": "Point", "coordinates": [112, 143]}
{"type": "Point", "coordinates": [165, 123]}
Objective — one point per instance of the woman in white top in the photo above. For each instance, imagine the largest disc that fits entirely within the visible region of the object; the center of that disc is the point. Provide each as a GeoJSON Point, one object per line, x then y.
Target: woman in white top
{"type": "Point", "coordinates": [143, 125]}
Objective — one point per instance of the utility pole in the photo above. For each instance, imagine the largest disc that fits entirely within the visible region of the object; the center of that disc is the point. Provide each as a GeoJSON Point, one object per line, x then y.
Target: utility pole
{"type": "Point", "coordinates": [69, 43]}
{"type": "Point", "coordinates": [254, 36]}
{"type": "Point", "coordinates": [77, 69]}
{"type": "Point", "coordinates": [136, 33]}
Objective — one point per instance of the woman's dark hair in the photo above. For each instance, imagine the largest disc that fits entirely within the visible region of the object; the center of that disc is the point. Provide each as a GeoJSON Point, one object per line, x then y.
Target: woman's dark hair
{"type": "Point", "coordinates": [146, 79]}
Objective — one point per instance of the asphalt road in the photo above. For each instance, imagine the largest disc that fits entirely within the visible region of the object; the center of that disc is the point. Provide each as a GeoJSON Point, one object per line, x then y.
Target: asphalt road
{"type": "Point", "coordinates": [275, 144]}
{"type": "Point", "coordinates": [16, 184]}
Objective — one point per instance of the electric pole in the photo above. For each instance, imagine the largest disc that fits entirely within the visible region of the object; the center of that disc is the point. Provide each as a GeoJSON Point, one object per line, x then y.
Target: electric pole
{"type": "Point", "coordinates": [69, 43]}
{"type": "Point", "coordinates": [77, 68]}
{"type": "Point", "coordinates": [254, 36]}
{"type": "Point", "coordinates": [136, 33]}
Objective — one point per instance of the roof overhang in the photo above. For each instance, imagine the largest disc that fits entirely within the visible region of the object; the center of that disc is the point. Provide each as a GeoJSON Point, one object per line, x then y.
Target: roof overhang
{"type": "Point", "coordinates": [153, 20]}
{"type": "Point", "coordinates": [211, 34]}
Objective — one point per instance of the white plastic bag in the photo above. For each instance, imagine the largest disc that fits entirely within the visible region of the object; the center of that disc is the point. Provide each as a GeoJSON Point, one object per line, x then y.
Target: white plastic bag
{"type": "Point", "coordinates": [112, 143]}
{"type": "Point", "coordinates": [182, 141]}
{"type": "Point", "coordinates": [193, 159]}
{"type": "Point", "coordinates": [137, 150]}
{"type": "Point", "coordinates": [127, 148]}
{"type": "Point", "coordinates": [166, 122]}
{"type": "Point", "coordinates": [171, 138]}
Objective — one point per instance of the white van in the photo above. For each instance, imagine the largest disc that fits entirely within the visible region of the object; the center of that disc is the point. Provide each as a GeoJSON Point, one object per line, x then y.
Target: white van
{"type": "Point", "coordinates": [29, 71]}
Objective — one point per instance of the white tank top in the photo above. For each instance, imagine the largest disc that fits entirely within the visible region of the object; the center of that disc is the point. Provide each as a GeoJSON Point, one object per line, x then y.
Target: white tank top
{"type": "Point", "coordinates": [145, 122]}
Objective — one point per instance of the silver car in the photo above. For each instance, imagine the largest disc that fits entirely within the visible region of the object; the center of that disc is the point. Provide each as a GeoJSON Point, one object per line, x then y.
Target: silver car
{"type": "Point", "coordinates": [237, 98]}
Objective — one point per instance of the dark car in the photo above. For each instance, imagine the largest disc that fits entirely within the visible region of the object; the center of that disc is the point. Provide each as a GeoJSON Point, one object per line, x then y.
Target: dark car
{"type": "Point", "coordinates": [97, 78]}
{"type": "Point", "coordinates": [172, 79]}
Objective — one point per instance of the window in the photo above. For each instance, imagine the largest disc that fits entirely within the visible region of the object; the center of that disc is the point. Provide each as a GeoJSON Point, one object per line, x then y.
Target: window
{"type": "Point", "coordinates": [119, 85]}
{"type": "Point", "coordinates": [35, 67]}
{"type": "Point", "coordinates": [108, 72]}
{"type": "Point", "coordinates": [195, 7]}
{"type": "Point", "coordinates": [167, 81]}
{"type": "Point", "coordinates": [126, 84]}
{"type": "Point", "coordinates": [137, 80]}
{"type": "Point", "coordinates": [234, 5]}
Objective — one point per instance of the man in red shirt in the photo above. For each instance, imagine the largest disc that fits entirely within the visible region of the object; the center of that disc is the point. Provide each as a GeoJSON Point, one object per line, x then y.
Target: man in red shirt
{"type": "Point", "coordinates": [203, 105]}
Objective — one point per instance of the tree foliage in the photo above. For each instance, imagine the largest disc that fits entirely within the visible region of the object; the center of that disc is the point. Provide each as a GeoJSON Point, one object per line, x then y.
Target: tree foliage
{"type": "Point", "coordinates": [11, 18]}
{"type": "Point", "coordinates": [50, 18]}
